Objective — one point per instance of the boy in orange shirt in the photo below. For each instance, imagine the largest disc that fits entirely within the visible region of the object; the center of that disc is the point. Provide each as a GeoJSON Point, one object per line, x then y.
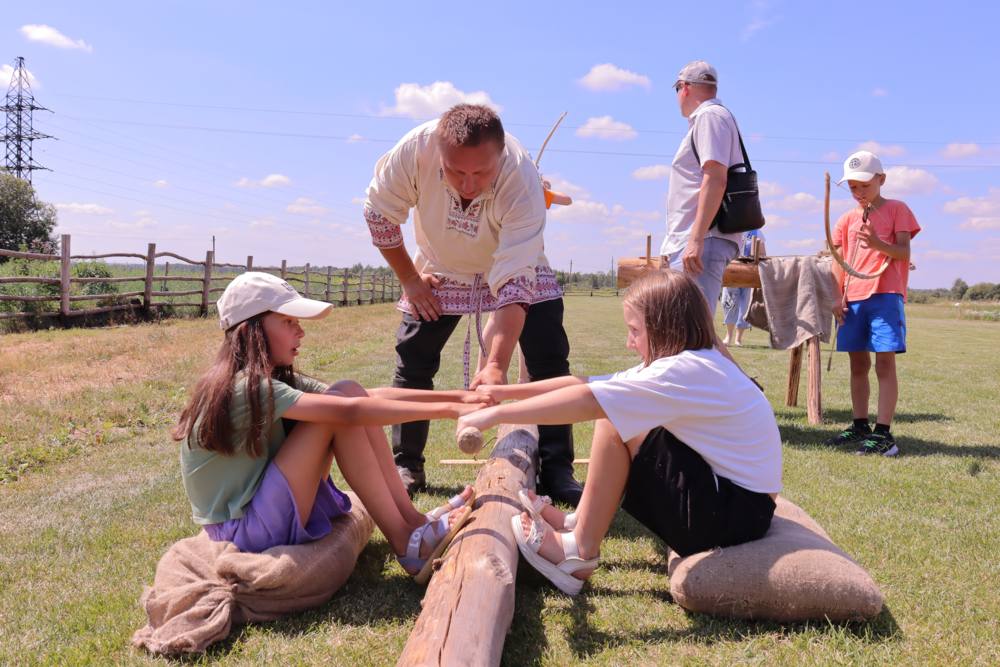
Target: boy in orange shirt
{"type": "Point", "coordinates": [870, 312]}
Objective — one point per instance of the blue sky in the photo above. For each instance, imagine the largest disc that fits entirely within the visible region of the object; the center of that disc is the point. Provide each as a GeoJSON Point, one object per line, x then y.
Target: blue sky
{"type": "Point", "coordinates": [261, 124]}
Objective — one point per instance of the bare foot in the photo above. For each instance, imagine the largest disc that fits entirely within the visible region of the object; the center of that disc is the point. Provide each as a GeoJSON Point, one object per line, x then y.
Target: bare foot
{"type": "Point", "coordinates": [552, 548]}
{"type": "Point", "coordinates": [552, 515]}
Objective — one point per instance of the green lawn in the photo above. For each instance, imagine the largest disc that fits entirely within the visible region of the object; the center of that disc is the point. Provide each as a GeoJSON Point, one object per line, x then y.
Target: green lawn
{"type": "Point", "coordinates": [90, 498]}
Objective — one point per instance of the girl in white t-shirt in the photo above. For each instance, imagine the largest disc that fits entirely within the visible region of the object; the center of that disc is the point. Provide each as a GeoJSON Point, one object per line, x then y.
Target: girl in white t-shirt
{"type": "Point", "coordinates": [685, 441]}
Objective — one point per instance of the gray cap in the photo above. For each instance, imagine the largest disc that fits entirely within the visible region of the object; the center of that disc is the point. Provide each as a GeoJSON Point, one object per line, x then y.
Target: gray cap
{"type": "Point", "coordinates": [698, 71]}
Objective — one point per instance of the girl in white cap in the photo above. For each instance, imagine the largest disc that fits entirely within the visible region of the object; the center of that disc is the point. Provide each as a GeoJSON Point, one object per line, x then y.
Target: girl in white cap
{"type": "Point", "coordinates": [259, 439]}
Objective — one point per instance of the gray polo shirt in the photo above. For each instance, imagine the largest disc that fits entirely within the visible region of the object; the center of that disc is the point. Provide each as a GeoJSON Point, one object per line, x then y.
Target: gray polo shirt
{"type": "Point", "coordinates": [715, 134]}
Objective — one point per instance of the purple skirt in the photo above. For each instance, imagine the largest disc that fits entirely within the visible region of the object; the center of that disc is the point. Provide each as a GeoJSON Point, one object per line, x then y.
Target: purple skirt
{"type": "Point", "coordinates": [271, 518]}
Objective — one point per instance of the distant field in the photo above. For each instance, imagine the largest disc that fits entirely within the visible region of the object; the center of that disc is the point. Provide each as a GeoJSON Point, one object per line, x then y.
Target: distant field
{"type": "Point", "coordinates": [90, 498]}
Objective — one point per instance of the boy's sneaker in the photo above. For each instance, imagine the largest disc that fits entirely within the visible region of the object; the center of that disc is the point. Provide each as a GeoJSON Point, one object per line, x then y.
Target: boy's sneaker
{"type": "Point", "coordinates": [878, 443]}
{"type": "Point", "coordinates": [850, 435]}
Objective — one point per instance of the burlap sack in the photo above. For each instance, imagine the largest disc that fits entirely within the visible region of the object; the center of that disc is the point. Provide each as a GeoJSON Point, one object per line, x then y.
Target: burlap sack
{"type": "Point", "coordinates": [203, 589]}
{"type": "Point", "coordinates": [794, 573]}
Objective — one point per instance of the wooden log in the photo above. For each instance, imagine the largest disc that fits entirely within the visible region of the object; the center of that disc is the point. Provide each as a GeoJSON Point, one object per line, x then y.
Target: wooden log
{"type": "Point", "coordinates": [814, 404]}
{"type": "Point", "coordinates": [147, 297]}
{"type": "Point", "coordinates": [469, 603]}
{"type": "Point", "coordinates": [64, 274]}
{"type": "Point", "coordinates": [207, 282]}
{"type": "Point", "coordinates": [794, 374]}
{"type": "Point", "coordinates": [737, 274]}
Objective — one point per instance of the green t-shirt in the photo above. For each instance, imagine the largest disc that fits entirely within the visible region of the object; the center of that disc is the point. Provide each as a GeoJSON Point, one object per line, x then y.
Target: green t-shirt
{"type": "Point", "coordinates": [219, 486]}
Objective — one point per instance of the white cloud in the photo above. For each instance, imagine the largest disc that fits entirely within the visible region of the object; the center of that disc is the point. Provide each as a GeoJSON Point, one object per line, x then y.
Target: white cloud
{"type": "Point", "coordinates": [800, 202]}
{"type": "Point", "coordinates": [560, 184]}
{"type": "Point", "coordinates": [582, 211]}
{"type": "Point", "coordinates": [831, 156]}
{"type": "Point", "coordinates": [775, 221]}
{"type": "Point", "coordinates": [901, 181]}
{"type": "Point", "coordinates": [949, 255]}
{"type": "Point", "coordinates": [358, 201]}
{"type": "Point", "coordinates": [161, 183]}
{"type": "Point", "coordinates": [85, 209]}
{"type": "Point", "coordinates": [880, 92]}
{"type": "Point", "coordinates": [959, 151]}
{"type": "Point", "coordinates": [269, 181]}
{"type": "Point", "coordinates": [355, 138]}
{"type": "Point", "coordinates": [755, 26]}
{"type": "Point", "coordinates": [653, 172]}
{"type": "Point", "coordinates": [262, 223]}
{"type": "Point", "coordinates": [45, 34]}
{"type": "Point", "coordinates": [608, 77]}
{"type": "Point", "coordinates": [769, 189]}
{"type": "Point", "coordinates": [416, 101]}
{"type": "Point", "coordinates": [7, 73]}
{"type": "Point", "coordinates": [803, 243]}
{"type": "Point", "coordinates": [987, 206]}
{"type": "Point", "coordinates": [882, 150]}
{"type": "Point", "coordinates": [606, 127]}
{"type": "Point", "coordinates": [306, 206]}
{"type": "Point", "coordinates": [981, 223]}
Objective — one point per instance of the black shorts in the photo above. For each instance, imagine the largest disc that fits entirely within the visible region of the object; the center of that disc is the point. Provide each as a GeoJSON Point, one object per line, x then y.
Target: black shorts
{"type": "Point", "coordinates": [672, 491]}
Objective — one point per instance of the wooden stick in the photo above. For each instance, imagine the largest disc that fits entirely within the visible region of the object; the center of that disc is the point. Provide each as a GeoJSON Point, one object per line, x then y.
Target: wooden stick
{"type": "Point", "coordinates": [469, 602]}
{"type": "Point", "coordinates": [794, 374]}
{"type": "Point", "coordinates": [814, 405]}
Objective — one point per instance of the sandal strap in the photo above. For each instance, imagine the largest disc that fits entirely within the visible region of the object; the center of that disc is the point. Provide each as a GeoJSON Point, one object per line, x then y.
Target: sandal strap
{"type": "Point", "coordinates": [437, 527]}
{"type": "Point", "coordinates": [453, 503]}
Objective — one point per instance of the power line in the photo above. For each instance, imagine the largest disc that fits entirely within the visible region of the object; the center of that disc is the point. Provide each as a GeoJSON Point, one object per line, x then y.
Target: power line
{"type": "Point", "coordinates": [389, 116]}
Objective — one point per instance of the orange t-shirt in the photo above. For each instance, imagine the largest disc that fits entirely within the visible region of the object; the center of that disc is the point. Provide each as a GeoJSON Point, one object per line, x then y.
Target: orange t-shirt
{"type": "Point", "coordinates": [892, 217]}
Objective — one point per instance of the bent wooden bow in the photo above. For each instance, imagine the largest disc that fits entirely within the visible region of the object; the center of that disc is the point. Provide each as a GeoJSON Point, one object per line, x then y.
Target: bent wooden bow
{"type": "Point", "coordinates": [837, 257]}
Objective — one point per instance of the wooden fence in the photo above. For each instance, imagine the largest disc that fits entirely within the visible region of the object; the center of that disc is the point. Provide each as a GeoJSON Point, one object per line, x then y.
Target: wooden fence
{"type": "Point", "coordinates": [333, 285]}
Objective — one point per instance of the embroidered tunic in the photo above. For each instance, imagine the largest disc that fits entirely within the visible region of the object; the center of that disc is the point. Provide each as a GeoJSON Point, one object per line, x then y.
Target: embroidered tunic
{"type": "Point", "coordinates": [489, 254]}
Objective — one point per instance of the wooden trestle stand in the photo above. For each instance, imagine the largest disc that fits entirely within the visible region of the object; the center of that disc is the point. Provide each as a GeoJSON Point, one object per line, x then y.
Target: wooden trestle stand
{"type": "Point", "coordinates": [745, 274]}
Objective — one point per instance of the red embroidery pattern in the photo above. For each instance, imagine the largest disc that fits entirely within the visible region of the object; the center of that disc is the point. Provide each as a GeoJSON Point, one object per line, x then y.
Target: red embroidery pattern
{"type": "Point", "coordinates": [465, 221]}
{"type": "Point", "coordinates": [458, 298]}
{"type": "Point", "coordinates": [384, 233]}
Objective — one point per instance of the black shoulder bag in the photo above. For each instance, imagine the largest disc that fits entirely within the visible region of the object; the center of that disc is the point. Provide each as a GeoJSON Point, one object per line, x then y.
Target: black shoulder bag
{"type": "Point", "coordinates": [740, 207]}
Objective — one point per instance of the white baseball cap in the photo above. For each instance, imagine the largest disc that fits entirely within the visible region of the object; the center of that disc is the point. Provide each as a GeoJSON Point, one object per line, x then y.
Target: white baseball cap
{"type": "Point", "coordinates": [256, 292]}
{"type": "Point", "coordinates": [698, 71]}
{"type": "Point", "coordinates": [861, 166]}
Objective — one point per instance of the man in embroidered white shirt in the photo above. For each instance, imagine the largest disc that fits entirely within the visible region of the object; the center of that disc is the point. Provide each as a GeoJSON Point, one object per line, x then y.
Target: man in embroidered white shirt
{"type": "Point", "coordinates": [479, 214]}
{"type": "Point", "coordinates": [698, 177]}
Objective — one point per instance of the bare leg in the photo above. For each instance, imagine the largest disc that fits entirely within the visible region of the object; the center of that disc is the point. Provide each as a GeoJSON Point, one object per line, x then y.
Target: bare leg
{"type": "Point", "coordinates": [888, 386]}
{"type": "Point", "coordinates": [729, 334]}
{"type": "Point", "coordinates": [304, 459]}
{"type": "Point", "coordinates": [610, 461]}
{"type": "Point", "coordinates": [861, 363]}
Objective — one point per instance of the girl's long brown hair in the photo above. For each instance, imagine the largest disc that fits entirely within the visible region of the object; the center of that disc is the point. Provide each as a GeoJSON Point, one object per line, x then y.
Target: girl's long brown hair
{"type": "Point", "coordinates": [674, 311]}
{"type": "Point", "coordinates": [244, 350]}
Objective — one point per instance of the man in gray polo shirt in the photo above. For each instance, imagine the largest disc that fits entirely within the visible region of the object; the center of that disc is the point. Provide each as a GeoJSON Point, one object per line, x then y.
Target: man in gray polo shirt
{"type": "Point", "coordinates": [698, 181]}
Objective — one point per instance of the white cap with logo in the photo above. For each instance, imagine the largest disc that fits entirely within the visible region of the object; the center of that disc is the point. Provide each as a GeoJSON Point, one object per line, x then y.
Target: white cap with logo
{"type": "Point", "coordinates": [861, 166]}
{"type": "Point", "coordinates": [698, 71]}
{"type": "Point", "coordinates": [256, 292]}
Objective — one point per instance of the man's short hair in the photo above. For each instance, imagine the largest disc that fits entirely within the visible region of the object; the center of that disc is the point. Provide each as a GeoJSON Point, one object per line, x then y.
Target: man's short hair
{"type": "Point", "coordinates": [470, 125]}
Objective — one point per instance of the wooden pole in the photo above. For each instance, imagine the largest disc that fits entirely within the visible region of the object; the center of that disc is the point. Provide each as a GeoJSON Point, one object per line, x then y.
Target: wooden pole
{"type": "Point", "coordinates": [207, 284]}
{"type": "Point", "coordinates": [147, 295]}
{"type": "Point", "coordinates": [343, 299]}
{"type": "Point", "coordinates": [361, 286]}
{"type": "Point", "coordinates": [329, 278]}
{"type": "Point", "coordinates": [64, 274]}
{"type": "Point", "coordinates": [249, 262]}
{"type": "Point", "coordinates": [649, 249]}
{"type": "Point", "coordinates": [469, 603]}
{"type": "Point", "coordinates": [814, 405]}
{"type": "Point", "coordinates": [307, 281]}
{"type": "Point", "coordinates": [284, 269]}
{"type": "Point", "coordinates": [794, 373]}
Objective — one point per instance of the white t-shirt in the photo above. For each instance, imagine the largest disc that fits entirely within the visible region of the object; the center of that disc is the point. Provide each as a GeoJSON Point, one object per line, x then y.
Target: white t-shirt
{"type": "Point", "coordinates": [708, 404]}
{"type": "Point", "coordinates": [715, 134]}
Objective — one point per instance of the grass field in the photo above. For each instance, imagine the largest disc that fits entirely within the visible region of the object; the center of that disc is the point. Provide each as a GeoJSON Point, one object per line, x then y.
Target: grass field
{"type": "Point", "coordinates": [90, 499]}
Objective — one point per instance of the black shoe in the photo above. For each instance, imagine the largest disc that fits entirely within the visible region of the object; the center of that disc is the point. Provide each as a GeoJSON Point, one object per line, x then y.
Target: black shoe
{"type": "Point", "coordinates": [561, 487]}
{"type": "Point", "coordinates": [413, 480]}
{"type": "Point", "coordinates": [878, 443]}
{"type": "Point", "coordinates": [850, 435]}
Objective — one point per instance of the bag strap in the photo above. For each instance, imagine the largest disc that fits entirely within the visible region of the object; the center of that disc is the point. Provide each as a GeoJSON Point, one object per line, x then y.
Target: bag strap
{"type": "Point", "coordinates": [746, 158]}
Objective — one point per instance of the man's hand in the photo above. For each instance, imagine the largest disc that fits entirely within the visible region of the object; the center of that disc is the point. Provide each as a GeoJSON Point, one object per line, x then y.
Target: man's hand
{"type": "Point", "coordinates": [423, 304]}
{"type": "Point", "coordinates": [493, 393]}
{"type": "Point", "coordinates": [491, 374]}
{"type": "Point", "coordinates": [692, 256]}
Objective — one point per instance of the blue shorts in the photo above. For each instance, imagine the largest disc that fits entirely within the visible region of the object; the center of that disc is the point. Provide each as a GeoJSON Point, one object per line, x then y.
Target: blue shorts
{"type": "Point", "coordinates": [876, 324]}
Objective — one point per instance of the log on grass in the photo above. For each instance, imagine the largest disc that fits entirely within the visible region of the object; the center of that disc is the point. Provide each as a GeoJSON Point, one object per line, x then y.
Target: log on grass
{"type": "Point", "coordinates": [737, 273]}
{"type": "Point", "coordinates": [469, 603]}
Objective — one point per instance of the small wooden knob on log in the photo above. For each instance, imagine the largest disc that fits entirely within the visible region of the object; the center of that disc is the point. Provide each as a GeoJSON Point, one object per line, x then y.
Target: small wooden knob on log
{"type": "Point", "coordinates": [470, 440]}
